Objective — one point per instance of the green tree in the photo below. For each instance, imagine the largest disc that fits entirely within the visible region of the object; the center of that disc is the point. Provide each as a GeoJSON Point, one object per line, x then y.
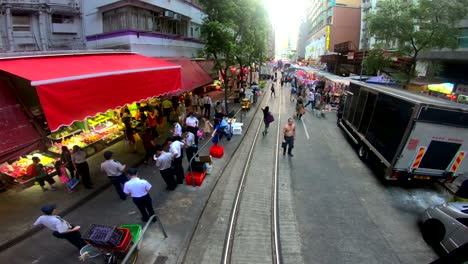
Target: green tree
{"type": "Point", "coordinates": [230, 33]}
{"type": "Point", "coordinates": [416, 27]}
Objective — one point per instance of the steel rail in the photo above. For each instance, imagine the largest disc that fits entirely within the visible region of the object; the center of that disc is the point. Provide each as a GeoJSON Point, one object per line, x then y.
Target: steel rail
{"type": "Point", "coordinates": [227, 251]}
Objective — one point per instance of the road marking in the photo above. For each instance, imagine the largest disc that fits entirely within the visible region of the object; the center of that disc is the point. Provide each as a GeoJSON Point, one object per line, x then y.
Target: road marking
{"type": "Point", "coordinates": [305, 128]}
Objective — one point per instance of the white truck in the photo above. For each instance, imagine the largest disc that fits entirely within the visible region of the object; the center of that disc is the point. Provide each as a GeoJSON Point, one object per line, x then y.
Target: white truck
{"type": "Point", "coordinates": [414, 136]}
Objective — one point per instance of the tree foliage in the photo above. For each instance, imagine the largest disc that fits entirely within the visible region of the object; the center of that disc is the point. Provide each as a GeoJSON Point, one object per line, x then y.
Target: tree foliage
{"type": "Point", "coordinates": [416, 26]}
{"type": "Point", "coordinates": [234, 32]}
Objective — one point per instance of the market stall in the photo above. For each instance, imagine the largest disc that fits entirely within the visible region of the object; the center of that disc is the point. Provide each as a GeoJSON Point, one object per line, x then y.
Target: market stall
{"type": "Point", "coordinates": [13, 172]}
{"type": "Point", "coordinates": [80, 97]}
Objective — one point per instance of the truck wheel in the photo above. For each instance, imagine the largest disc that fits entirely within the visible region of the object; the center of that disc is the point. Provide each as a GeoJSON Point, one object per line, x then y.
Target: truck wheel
{"type": "Point", "coordinates": [433, 231]}
{"type": "Point", "coordinates": [363, 153]}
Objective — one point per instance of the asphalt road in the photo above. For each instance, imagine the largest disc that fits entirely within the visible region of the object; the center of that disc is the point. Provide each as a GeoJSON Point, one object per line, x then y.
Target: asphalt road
{"type": "Point", "coordinates": [345, 213]}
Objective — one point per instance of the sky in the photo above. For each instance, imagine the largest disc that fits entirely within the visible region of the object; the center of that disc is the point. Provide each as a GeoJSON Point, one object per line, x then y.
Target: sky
{"type": "Point", "coordinates": [286, 16]}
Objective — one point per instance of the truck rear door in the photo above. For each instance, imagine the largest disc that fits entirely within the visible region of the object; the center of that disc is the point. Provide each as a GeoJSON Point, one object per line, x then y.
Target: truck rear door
{"type": "Point", "coordinates": [434, 150]}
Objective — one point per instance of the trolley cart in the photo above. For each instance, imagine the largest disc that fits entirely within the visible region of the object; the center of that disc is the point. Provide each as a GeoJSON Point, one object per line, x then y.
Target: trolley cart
{"type": "Point", "coordinates": [115, 244]}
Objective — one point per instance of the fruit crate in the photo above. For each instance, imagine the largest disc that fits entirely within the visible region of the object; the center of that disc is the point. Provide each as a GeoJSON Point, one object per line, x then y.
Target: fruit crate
{"type": "Point", "coordinates": [103, 235]}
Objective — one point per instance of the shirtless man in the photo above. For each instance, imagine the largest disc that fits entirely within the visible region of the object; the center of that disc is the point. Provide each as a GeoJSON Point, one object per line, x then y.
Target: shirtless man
{"type": "Point", "coordinates": [289, 132]}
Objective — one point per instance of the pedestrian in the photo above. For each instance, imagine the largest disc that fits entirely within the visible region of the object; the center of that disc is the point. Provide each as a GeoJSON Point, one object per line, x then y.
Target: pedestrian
{"type": "Point", "coordinates": [153, 122]}
{"type": "Point", "coordinates": [177, 132]}
{"type": "Point", "coordinates": [191, 122]}
{"type": "Point", "coordinates": [37, 170]}
{"type": "Point", "coordinates": [195, 103]}
{"type": "Point", "coordinates": [293, 93]}
{"type": "Point", "coordinates": [115, 172]}
{"type": "Point", "coordinates": [207, 128]}
{"type": "Point", "coordinates": [163, 162]}
{"type": "Point", "coordinates": [63, 176]}
{"type": "Point", "coordinates": [148, 143]}
{"type": "Point", "coordinates": [289, 133]}
{"type": "Point", "coordinates": [221, 128]}
{"type": "Point", "coordinates": [273, 90]}
{"type": "Point", "coordinates": [189, 144]}
{"type": "Point", "coordinates": [311, 101]}
{"type": "Point", "coordinates": [207, 106]}
{"type": "Point", "coordinates": [67, 160]}
{"type": "Point", "coordinates": [60, 227]}
{"type": "Point", "coordinates": [181, 111]}
{"type": "Point", "coordinates": [138, 189]}
{"type": "Point", "coordinates": [299, 107]}
{"type": "Point", "coordinates": [81, 166]}
{"type": "Point", "coordinates": [201, 104]}
{"type": "Point", "coordinates": [129, 130]}
{"type": "Point", "coordinates": [267, 119]}
{"type": "Point", "coordinates": [175, 148]}
{"type": "Point", "coordinates": [167, 108]}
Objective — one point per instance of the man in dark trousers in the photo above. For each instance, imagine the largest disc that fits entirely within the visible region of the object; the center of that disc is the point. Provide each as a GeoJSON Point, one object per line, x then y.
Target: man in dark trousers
{"type": "Point", "coordinates": [163, 162]}
{"type": "Point", "coordinates": [138, 189]}
{"type": "Point", "coordinates": [62, 229]}
{"type": "Point", "coordinates": [175, 148]}
{"type": "Point", "coordinates": [115, 171]}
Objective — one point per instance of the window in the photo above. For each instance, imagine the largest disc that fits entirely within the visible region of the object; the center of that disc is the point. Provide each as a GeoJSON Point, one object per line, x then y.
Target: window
{"type": "Point", "coordinates": [62, 19]}
{"type": "Point", "coordinates": [21, 22]}
{"type": "Point", "coordinates": [463, 38]}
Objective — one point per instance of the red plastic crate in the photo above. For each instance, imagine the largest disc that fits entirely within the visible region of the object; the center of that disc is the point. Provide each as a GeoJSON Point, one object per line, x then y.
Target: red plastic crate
{"type": "Point", "coordinates": [197, 176]}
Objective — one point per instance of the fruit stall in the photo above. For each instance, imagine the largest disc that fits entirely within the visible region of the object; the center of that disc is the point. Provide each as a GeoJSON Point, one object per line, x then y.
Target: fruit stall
{"type": "Point", "coordinates": [13, 172]}
{"type": "Point", "coordinates": [92, 135]}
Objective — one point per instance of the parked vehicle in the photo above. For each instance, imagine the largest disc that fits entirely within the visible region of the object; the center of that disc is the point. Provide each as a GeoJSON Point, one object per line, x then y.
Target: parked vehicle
{"type": "Point", "coordinates": [414, 136]}
{"type": "Point", "coordinates": [446, 225]}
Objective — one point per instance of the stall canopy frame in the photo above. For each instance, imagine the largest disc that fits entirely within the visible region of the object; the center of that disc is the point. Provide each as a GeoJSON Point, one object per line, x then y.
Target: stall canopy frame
{"type": "Point", "coordinates": [74, 87]}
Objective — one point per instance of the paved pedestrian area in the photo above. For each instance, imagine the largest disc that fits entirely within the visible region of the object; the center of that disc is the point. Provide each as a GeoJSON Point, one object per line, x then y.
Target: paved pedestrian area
{"type": "Point", "coordinates": [178, 210]}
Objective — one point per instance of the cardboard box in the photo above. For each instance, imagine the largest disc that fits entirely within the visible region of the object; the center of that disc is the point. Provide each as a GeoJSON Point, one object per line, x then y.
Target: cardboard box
{"type": "Point", "coordinates": [206, 159]}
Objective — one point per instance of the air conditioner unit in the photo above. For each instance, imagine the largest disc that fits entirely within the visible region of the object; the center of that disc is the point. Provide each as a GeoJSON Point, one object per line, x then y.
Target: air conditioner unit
{"type": "Point", "coordinates": [177, 16]}
{"type": "Point", "coordinates": [168, 14]}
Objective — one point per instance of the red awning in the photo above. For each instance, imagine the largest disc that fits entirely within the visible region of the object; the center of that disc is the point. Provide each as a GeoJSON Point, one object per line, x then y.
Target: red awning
{"type": "Point", "coordinates": [73, 87]}
{"type": "Point", "coordinates": [193, 75]}
{"type": "Point", "coordinates": [16, 131]}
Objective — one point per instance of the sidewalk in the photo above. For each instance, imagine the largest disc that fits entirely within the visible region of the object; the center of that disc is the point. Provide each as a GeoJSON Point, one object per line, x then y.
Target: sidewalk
{"type": "Point", "coordinates": [19, 210]}
{"type": "Point", "coordinates": [178, 211]}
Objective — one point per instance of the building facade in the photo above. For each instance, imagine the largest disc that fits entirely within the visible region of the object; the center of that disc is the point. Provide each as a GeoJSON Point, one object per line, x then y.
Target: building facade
{"type": "Point", "coordinates": [40, 25]}
{"type": "Point", "coordinates": [331, 22]}
{"type": "Point", "coordinates": [152, 28]}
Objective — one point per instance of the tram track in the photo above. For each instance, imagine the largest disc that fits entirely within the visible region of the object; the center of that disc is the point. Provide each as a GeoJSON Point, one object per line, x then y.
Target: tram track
{"type": "Point", "coordinates": [252, 235]}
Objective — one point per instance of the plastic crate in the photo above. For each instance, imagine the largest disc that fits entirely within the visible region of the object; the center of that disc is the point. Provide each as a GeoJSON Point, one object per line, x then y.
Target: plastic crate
{"type": "Point", "coordinates": [102, 235]}
{"type": "Point", "coordinates": [135, 230]}
{"type": "Point", "coordinates": [197, 176]}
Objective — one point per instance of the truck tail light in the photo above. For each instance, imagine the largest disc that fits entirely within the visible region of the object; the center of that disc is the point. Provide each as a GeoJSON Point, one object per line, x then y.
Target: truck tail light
{"type": "Point", "coordinates": [395, 175]}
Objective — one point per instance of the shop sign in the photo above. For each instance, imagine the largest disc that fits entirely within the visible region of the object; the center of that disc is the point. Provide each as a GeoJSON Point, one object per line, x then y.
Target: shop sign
{"type": "Point", "coordinates": [462, 89]}
{"type": "Point", "coordinates": [445, 88]}
{"type": "Point", "coordinates": [327, 41]}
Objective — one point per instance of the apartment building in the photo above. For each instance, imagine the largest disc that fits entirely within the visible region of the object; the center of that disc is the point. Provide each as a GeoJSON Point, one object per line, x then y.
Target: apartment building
{"type": "Point", "coordinates": [331, 22]}
{"type": "Point", "coordinates": [161, 28]}
{"type": "Point", "coordinates": [40, 25]}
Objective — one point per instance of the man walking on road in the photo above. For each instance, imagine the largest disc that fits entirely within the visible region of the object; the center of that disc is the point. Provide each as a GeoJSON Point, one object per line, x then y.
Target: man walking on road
{"type": "Point", "coordinates": [62, 229]}
{"type": "Point", "coordinates": [138, 189]}
{"type": "Point", "coordinates": [273, 90]}
{"type": "Point", "coordinates": [311, 99]}
{"type": "Point", "coordinates": [207, 106]}
{"type": "Point", "coordinates": [163, 162]}
{"type": "Point", "coordinates": [115, 171]}
{"type": "Point", "coordinates": [289, 133]}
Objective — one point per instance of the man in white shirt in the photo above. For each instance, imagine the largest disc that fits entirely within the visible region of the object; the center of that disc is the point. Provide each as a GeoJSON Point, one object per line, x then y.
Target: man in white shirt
{"type": "Point", "coordinates": [189, 142]}
{"type": "Point", "coordinates": [175, 148]}
{"type": "Point", "coordinates": [138, 189]}
{"type": "Point", "coordinates": [192, 125]}
{"type": "Point", "coordinates": [177, 130]}
{"type": "Point", "coordinates": [311, 99]}
{"type": "Point", "coordinates": [163, 162]}
{"type": "Point", "coordinates": [62, 229]}
{"type": "Point", "coordinates": [115, 171]}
